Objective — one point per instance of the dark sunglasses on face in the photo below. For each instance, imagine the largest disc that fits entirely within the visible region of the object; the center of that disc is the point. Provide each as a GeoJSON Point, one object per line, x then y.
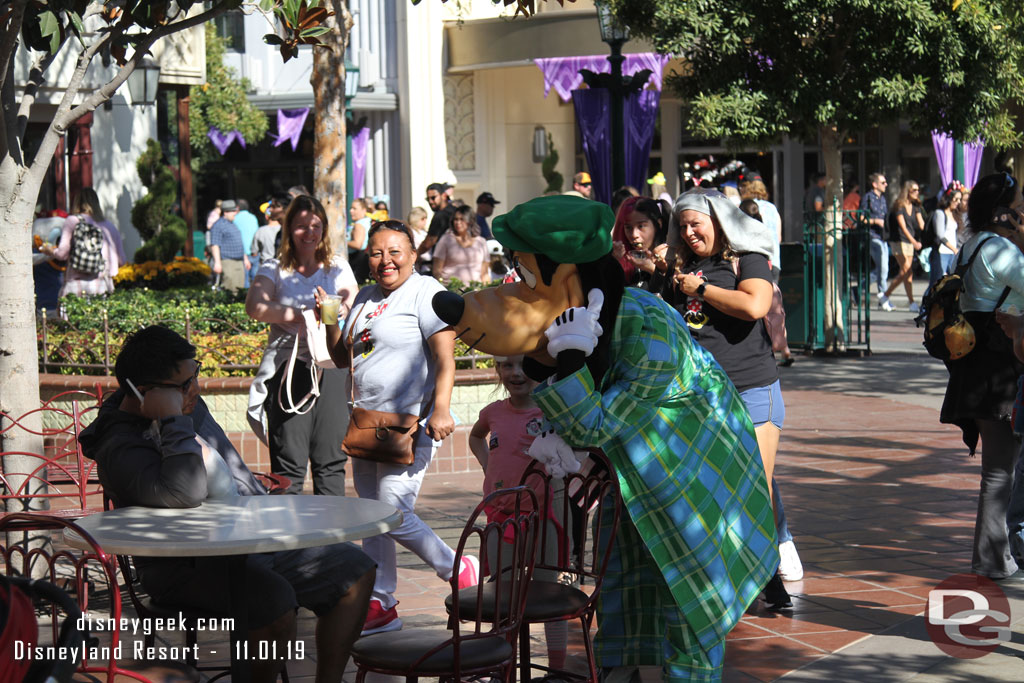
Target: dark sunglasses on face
{"type": "Point", "coordinates": [183, 387]}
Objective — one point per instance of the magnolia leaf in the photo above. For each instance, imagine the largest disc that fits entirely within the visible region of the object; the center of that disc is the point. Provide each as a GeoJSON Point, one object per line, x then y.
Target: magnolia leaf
{"type": "Point", "coordinates": [77, 26]}
{"type": "Point", "coordinates": [315, 31]}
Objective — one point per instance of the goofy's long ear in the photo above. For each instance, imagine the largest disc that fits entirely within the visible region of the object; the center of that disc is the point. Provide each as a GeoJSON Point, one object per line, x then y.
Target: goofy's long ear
{"type": "Point", "coordinates": [604, 274]}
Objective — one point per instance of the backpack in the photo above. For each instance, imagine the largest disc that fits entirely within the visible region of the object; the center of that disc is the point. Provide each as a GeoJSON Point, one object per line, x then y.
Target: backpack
{"type": "Point", "coordinates": [87, 247]}
{"type": "Point", "coordinates": [932, 238]}
{"type": "Point", "coordinates": [947, 334]}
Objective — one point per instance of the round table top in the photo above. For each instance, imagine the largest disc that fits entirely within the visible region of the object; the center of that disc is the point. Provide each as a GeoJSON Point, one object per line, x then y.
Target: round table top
{"type": "Point", "coordinates": [247, 524]}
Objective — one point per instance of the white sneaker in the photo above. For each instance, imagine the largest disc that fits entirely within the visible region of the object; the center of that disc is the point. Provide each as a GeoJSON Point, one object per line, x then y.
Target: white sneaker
{"type": "Point", "coordinates": [790, 568]}
{"type": "Point", "coordinates": [914, 308]}
{"type": "Point", "coordinates": [883, 303]}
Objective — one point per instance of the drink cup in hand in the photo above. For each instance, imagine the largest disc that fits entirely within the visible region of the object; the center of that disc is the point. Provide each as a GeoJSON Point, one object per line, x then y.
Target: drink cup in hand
{"type": "Point", "coordinates": [329, 309]}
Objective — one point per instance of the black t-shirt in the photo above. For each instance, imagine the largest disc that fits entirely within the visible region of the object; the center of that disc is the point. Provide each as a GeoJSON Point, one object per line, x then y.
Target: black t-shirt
{"type": "Point", "coordinates": [742, 347]}
{"type": "Point", "coordinates": [910, 218]}
{"type": "Point", "coordinates": [440, 222]}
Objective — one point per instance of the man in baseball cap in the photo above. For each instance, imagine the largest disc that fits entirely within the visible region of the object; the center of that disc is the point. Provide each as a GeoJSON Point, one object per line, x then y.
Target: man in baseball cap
{"type": "Point", "coordinates": [581, 183]}
{"type": "Point", "coordinates": [484, 209]}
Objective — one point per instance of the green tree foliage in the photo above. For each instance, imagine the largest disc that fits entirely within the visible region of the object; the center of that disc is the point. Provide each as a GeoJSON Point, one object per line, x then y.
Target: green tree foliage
{"type": "Point", "coordinates": [758, 69]}
{"type": "Point", "coordinates": [547, 168]}
{"type": "Point", "coordinates": [162, 230]}
{"type": "Point", "coordinates": [221, 102]}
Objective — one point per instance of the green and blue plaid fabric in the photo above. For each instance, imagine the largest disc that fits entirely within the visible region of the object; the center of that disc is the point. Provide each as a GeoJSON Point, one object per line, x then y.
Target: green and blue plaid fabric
{"type": "Point", "coordinates": [686, 456]}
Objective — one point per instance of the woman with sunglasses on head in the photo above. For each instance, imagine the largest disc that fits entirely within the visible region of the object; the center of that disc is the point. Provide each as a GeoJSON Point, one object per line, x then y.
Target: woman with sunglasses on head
{"type": "Point", "coordinates": [308, 434]}
{"type": "Point", "coordinates": [905, 221]}
{"type": "Point", "coordinates": [983, 384]}
{"type": "Point", "coordinates": [722, 287]}
{"type": "Point", "coordinates": [461, 252]}
{"type": "Point", "coordinates": [403, 361]}
{"type": "Point", "coordinates": [944, 225]}
{"type": "Point", "coordinates": [638, 242]}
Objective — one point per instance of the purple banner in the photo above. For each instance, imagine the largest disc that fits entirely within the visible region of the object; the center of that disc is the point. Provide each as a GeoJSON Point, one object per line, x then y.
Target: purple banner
{"type": "Point", "coordinates": [593, 115]}
{"type": "Point", "coordinates": [593, 112]}
{"type": "Point", "coordinates": [563, 73]}
{"type": "Point", "coordinates": [289, 126]}
{"type": "Point", "coordinates": [943, 145]}
{"type": "Point", "coordinates": [359, 145]}
{"type": "Point", "coordinates": [640, 112]}
{"type": "Point", "coordinates": [223, 140]}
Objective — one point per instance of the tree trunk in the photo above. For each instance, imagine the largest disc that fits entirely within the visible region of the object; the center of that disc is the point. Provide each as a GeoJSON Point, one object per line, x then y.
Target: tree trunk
{"type": "Point", "coordinates": [328, 80]}
{"type": "Point", "coordinates": [19, 369]}
{"type": "Point", "coordinates": [834, 282]}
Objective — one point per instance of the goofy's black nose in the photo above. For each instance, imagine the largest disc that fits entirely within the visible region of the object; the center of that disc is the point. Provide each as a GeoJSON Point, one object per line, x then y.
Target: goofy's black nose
{"type": "Point", "coordinates": [449, 306]}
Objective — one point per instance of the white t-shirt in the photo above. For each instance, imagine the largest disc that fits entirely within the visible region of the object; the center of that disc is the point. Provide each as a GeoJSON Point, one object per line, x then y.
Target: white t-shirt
{"type": "Point", "coordinates": [392, 366]}
{"type": "Point", "coordinates": [294, 289]}
{"type": "Point", "coordinates": [465, 263]}
{"type": "Point", "coordinates": [946, 228]}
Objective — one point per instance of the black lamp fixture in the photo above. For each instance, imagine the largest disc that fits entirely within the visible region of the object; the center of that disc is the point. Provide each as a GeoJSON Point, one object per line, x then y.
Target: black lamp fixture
{"type": "Point", "coordinates": [144, 81]}
{"type": "Point", "coordinates": [612, 30]}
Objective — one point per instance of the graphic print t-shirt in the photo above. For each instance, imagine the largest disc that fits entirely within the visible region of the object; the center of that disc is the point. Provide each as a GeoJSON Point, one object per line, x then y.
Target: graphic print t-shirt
{"type": "Point", "coordinates": [742, 347]}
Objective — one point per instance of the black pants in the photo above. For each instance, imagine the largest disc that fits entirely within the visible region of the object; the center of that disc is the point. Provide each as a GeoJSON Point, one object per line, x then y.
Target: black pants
{"type": "Point", "coordinates": [314, 438]}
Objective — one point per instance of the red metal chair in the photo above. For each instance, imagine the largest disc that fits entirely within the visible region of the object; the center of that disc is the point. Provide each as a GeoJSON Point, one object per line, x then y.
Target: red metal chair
{"type": "Point", "coordinates": [594, 491]}
{"type": "Point", "coordinates": [485, 644]}
{"type": "Point", "coordinates": [90, 573]}
{"type": "Point", "coordinates": [275, 484]}
{"type": "Point", "coordinates": [53, 478]}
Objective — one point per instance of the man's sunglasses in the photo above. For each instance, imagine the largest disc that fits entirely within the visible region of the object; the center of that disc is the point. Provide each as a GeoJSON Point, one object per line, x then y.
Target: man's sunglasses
{"type": "Point", "coordinates": [183, 387]}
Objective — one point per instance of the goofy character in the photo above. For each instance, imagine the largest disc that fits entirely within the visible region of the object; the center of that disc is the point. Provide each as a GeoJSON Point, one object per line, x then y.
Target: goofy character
{"type": "Point", "coordinates": [620, 372]}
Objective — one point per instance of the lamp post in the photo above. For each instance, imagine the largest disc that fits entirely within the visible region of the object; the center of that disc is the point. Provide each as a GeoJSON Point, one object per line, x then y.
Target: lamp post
{"type": "Point", "coordinates": [144, 81]}
{"type": "Point", "coordinates": [615, 34]}
{"type": "Point", "coordinates": [351, 88]}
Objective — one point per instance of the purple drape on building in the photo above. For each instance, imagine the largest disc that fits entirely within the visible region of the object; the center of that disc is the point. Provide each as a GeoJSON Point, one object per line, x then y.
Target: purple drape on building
{"type": "Point", "coordinates": [563, 73]}
{"type": "Point", "coordinates": [593, 116]}
{"type": "Point", "coordinates": [639, 113]}
{"type": "Point", "coordinates": [359, 144]}
{"type": "Point", "coordinates": [223, 140]}
{"type": "Point", "coordinates": [944, 154]}
{"type": "Point", "coordinates": [289, 126]}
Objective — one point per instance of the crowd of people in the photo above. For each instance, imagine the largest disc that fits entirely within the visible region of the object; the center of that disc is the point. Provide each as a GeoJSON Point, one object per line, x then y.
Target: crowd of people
{"type": "Point", "coordinates": [918, 233]}
{"type": "Point", "coordinates": [712, 256]}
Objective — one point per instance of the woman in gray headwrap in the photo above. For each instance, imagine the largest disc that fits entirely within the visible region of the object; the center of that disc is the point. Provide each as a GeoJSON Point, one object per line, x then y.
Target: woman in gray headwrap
{"type": "Point", "coordinates": [722, 287]}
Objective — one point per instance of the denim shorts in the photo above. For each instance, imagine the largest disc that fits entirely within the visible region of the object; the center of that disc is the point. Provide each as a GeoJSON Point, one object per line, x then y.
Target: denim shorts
{"type": "Point", "coordinates": [765, 404]}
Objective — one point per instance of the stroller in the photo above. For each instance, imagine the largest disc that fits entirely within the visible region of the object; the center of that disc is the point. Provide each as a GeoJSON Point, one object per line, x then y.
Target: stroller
{"type": "Point", "coordinates": [19, 632]}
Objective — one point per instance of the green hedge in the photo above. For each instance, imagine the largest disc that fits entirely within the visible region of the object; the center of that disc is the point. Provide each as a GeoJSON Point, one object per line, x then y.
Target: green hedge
{"type": "Point", "coordinates": [220, 326]}
{"type": "Point", "coordinates": [131, 309]}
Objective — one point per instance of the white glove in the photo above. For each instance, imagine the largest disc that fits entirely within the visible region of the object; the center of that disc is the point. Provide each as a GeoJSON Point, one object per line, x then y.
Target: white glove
{"type": "Point", "coordinates": [551, 450]}
{"type": "Point", "coordinates": [577, 328]}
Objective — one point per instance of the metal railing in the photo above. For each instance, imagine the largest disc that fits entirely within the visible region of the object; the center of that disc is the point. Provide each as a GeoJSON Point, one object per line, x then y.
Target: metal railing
{"type": "Point", "coordinates": [837, 267]}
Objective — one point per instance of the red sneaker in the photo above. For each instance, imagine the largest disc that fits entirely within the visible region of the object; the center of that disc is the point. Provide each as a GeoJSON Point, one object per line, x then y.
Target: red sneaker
{"type": "Point", "coordinates": [470, 574]}
{"type": "Point", "coordinates": [379, 620]}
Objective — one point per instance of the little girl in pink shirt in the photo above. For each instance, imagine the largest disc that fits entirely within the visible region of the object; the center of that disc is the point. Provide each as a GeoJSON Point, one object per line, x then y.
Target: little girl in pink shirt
{"type": "Point", "coordinates": [500, 440]}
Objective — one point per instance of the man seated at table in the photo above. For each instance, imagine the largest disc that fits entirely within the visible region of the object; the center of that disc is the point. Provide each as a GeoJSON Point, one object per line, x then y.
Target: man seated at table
{"type": "Point", "coordinates": [167, 451]}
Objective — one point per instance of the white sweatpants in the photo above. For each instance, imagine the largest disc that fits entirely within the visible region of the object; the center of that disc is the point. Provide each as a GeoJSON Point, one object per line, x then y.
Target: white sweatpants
{"type": "Point", "coordinates": [400, 486]}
